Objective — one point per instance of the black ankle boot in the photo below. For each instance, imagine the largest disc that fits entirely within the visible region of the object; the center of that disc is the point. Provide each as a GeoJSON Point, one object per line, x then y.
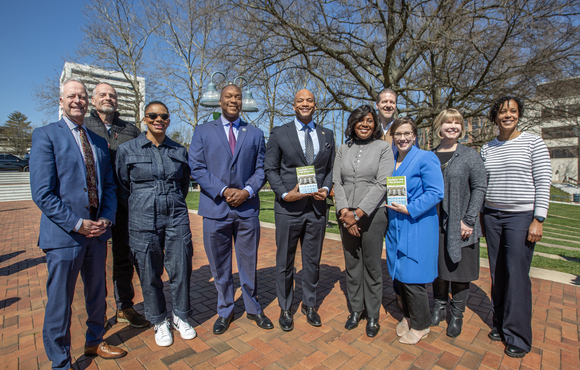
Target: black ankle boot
{"type": "Point", "coordinates": [439, 312]}
{"type": "Point", "coordinates": [458, 302]}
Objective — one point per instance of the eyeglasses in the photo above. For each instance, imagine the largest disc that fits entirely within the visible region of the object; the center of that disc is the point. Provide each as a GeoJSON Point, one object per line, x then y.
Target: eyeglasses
{"type": "Point", "coordinates": [407, 135]}
{"type": "Point", "coordinates": [154, 116]}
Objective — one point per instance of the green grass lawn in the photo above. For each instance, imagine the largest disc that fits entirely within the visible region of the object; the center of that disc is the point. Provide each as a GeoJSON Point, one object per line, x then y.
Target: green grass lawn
{"type": "Point", "coordinates": [565, 218]}
{"type": "Point", "coordinates": [266, 208]}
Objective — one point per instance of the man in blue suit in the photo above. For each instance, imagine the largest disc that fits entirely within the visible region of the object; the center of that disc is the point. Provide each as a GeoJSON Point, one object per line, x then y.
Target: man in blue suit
{"type": "Point", "coordinates": [226, 157]}
{"type": "Point", "coordinates": [71, 181]}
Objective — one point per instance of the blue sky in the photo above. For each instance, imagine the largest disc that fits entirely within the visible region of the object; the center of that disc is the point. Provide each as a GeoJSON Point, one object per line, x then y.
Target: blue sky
{"type": "Point", "coordinates": [35, 36]}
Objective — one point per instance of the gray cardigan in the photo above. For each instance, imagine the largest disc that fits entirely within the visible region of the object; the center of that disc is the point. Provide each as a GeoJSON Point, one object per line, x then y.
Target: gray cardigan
{"type": "Point", "coordinates": [465, 185]}
{"type": "Point", "coordinates": [360, 175]}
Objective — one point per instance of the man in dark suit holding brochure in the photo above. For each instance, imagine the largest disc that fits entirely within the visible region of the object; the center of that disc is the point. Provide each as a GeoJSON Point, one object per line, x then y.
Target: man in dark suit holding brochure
{"type": "Point", "coordinates": [299, 217]}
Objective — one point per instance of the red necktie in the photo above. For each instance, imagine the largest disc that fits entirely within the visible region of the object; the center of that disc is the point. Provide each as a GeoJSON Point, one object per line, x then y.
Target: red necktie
{"type": "Point", "coordinates": [232, 138]}
{"type": "Point", "coordinates": [90, 165]}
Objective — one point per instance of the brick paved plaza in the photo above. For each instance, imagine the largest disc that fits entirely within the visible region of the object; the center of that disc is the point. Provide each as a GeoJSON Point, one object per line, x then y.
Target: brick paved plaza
{"type": "Point", "coordinates": [23, 276]}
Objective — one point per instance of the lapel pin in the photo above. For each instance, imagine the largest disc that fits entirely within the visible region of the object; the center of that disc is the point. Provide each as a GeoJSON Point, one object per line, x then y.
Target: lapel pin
{"type": "Point", "coordinates": [244, 129]}
{"type": "Point", "coordinates": [323, 133]}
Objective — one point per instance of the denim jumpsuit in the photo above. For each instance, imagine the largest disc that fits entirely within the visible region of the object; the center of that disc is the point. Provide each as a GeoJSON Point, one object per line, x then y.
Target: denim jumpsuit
{"type": "Point", "coordinates": [154, 182]}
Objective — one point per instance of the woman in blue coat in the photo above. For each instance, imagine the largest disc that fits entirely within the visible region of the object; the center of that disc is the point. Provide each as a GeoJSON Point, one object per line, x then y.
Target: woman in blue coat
{"type": "Point", "coordinates": [412, 236]}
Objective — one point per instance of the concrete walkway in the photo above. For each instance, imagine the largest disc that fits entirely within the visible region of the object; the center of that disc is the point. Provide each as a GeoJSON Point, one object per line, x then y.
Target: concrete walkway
{"type": "Point", "coordinates": [22, 298]}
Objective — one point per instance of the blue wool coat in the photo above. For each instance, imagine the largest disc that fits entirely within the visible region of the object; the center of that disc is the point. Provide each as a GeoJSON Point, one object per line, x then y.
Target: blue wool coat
{"type": "Point", "coordinates": [413, 240]}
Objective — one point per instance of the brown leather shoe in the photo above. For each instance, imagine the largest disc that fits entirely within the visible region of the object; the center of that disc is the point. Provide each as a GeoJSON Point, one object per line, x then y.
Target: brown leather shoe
{"type": "Point", "coordinates": [105, 351]}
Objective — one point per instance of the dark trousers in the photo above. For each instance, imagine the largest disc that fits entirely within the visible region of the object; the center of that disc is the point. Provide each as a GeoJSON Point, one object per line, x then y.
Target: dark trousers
{"type": "Point", "coordinates": [415, 305]}
{"type": "Point", "coordinates": [510, 258]}
{"type": "Point", "coordinates": [169, 247]}
{"type": "Point", "coordinates": [362, 257]}
{"type": "Point", "coordinates": [64, 265]}
{"type": "Point", "coordinates": [308, 229]}
{"type": "Point", "coordinates": [122, 266]}
{"type": "Point", "coordinates": [217, 240]}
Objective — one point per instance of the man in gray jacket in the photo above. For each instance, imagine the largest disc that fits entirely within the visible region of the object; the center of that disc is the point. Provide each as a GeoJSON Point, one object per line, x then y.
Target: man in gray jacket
{"type": "Point", "coordinates": [104, 121]}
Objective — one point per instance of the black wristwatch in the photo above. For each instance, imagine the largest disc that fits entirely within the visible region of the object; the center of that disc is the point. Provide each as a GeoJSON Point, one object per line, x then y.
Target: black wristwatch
{"type": "Point", "coordinates": [540, 219]}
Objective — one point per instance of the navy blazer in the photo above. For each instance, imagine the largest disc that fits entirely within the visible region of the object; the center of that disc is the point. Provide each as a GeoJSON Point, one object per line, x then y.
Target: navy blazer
{"type": "Point", "coordinates": [213, 167]}
{"type": "Point", "coordinates": [284, 154]}
{"type": "Point", "coordinates": [58, 183]}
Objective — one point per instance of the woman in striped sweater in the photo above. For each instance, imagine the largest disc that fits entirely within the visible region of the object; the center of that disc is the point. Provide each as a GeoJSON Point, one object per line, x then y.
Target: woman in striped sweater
{"type": "Point", "coordinates": [519, 176]}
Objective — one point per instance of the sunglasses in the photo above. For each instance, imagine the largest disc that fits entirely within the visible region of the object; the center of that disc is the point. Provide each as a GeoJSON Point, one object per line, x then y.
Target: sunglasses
{"type": "Point", "coordinates": [154, 116]}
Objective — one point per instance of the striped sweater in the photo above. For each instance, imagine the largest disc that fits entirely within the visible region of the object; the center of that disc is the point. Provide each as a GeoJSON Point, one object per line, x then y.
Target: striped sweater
{"type": "Point", "coordinates": [519, 174]}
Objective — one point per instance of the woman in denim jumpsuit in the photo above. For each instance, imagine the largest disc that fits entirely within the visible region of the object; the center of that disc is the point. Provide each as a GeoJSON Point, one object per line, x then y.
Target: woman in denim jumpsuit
{"type": "Point", "coordinates": [154, 180]}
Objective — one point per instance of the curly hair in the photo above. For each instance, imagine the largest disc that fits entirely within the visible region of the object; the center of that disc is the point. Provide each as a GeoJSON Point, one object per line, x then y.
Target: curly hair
{"type": "Point", "coordinates": [494, 111]}
{"type": "Point", "coordinates": [357, 116]}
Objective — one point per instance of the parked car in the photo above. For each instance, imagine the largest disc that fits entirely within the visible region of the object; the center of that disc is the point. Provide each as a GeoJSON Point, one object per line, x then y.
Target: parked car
{"type": "Point", "coordinates": [10, 162]}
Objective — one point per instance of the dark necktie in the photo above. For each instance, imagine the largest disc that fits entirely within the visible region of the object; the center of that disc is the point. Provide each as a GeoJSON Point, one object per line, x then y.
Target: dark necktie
{"type": "Point", "coordinates": [232, 138]}
{"type": "Point", "coordinates": [90, 165]}
{"type": "Point", "coordinates": [309, 152]}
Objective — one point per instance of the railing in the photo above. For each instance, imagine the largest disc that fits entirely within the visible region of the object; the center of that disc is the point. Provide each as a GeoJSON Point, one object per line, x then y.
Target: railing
{"type": "Point", "coordinates": [570, 180]}
{"type": "Point", "coordinates": [560, 198]}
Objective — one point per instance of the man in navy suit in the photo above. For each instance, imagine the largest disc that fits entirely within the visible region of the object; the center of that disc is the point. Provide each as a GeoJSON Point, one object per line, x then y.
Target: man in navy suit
{"type": "Point", "coordinates": [226, 157]}
{"type": "Point", "coordinates": [71, 181]}
{"type": "Point", "coordinates": [299, 217]}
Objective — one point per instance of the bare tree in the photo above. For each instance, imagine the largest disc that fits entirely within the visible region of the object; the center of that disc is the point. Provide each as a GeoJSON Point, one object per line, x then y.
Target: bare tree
{"type": "Point", "coordinates": [46, 97]}
{"type": "Point", "coordinates": [186, 51]}
{"type": "Point", "coordinates": [115, 37]}
{"type": "Point", "coordinates": [435, 54]}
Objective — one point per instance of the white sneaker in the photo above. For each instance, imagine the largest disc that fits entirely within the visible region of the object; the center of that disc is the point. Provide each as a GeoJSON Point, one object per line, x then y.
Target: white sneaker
{"type": "Point", "coordinates": [186, 330]}
{"type": "Point", "coordinates": [163, 336]}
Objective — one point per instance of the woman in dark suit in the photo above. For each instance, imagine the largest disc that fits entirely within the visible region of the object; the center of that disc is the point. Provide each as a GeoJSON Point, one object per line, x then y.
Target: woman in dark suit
{"type": "Point", "coordinates": [360, 170]}
{"type": "Point", "coordinates": [412, 234]}
{"type": "Point", "coordinates": [459, 229]}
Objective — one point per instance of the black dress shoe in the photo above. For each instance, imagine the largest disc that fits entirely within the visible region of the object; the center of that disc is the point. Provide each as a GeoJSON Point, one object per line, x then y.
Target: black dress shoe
{"type": "Point", "coordinates": [312, 317]}
{"type": "Point", "coordinates": [221, 325]}
{"type": "Point", "coordinates": [354, 319]}
{"type": "Point", "coordinates": [373, 327]}
{"type": "Point", "coordinates": [262, 320]}
{"type": "Point", "coordinates": [494, 335]}
{"type": "Point", "coordinates": [286, 320]}
{"type": "Point", "coordinates": [514, 351]}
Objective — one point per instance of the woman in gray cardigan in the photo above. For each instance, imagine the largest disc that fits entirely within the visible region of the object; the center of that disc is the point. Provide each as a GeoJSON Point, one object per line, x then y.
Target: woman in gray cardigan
{"type": "Point", "coordinates": [360, 170]}
{"type": "Point", "coordinates": [459, 229]}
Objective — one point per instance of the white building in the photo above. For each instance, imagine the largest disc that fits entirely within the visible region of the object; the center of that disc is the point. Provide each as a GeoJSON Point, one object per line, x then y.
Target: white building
{"type": "Point", "coordinates": [91, 76]}
{"type": "Point", "coordinates": [560, 125]}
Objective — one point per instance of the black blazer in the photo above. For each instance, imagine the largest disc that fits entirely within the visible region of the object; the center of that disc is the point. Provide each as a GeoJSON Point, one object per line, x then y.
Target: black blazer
{"type": "Point", "coordinates": [284, 154]}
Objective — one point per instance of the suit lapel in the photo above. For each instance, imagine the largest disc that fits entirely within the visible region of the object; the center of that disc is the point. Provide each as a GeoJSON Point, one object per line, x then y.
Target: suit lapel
{"type": "Point", "coordinates": [321, 142]}
{"type": "Point", "coordinates": [68, 136]}
{"type": "Point", "coordinates": [406, 162]}
{"type": "Point", "coordinates": [242, 132]}
{"type": "Point", "coordinates": [293, 136]}
{"type": "Point", "coordinates": [219, 128]}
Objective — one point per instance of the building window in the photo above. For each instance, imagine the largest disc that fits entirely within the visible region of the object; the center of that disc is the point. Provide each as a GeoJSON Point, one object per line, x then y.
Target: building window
{"type": "Point", "coordinates": [564, 152]}
{"type": "Point", "coordinates": [559, 132]}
